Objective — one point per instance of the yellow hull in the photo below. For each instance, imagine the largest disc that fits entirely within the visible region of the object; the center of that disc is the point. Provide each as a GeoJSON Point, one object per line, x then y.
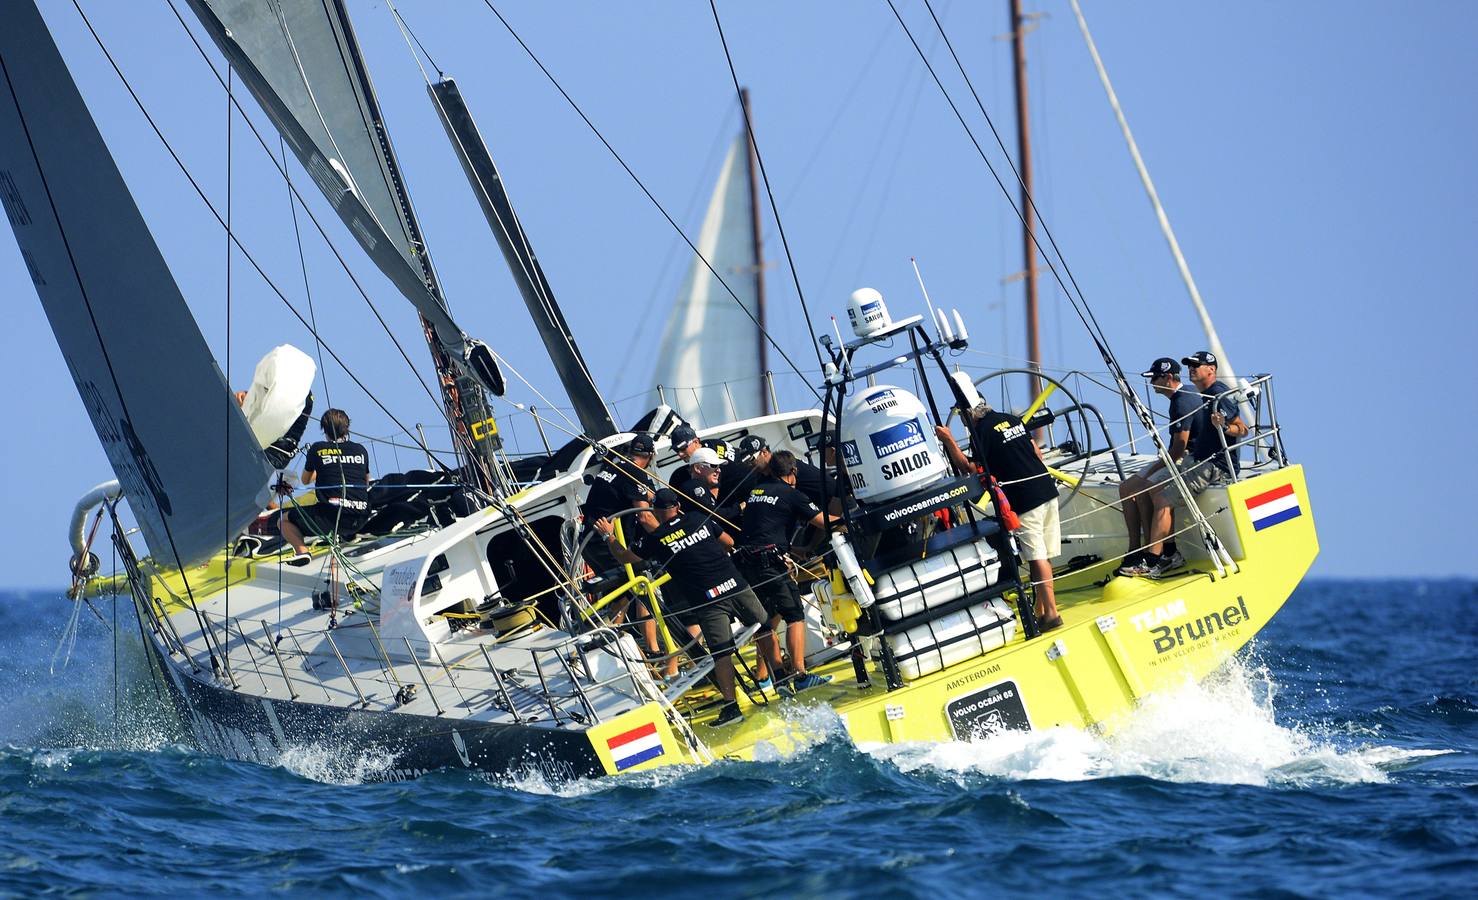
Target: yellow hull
{"type": "Point", "coordinates": [1119, 642]}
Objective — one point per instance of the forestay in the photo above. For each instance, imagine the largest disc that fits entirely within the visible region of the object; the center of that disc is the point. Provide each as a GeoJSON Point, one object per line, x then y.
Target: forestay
{"type": "Point", "coordinates": [159, 403]}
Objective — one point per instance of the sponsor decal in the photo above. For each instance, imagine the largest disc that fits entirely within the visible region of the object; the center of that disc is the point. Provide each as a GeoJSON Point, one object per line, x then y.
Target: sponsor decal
{"type": "Point", "coordinates": [881, 400]}
{"type": "Point", "coordinates": [897, 438]}
{"type": "Point", "coordinates": [928, 504]}
{"type": "Point", "coordinates": [900, 467]}
{"type": "Point", "coordinates": [1168, 638]}
{"type": "Point", "coordinates": [990, 710]}
{"type": "Point", "coordinates": [721, 588]}
{"type": "Point", "coordinates": [1273, 507]}
{"type": "Point", "coordinates": [630, 748]}
{"type": "Point", "coordinates": [850, 455]}
{"type": "Point", "coordinates": [1159, 615]}
{"type": "Point", "coordinates": [869, 313]}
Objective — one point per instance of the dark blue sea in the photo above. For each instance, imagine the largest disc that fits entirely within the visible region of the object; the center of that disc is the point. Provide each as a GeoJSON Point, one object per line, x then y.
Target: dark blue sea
{"type": "Point", "coordinates": [1339, 756]}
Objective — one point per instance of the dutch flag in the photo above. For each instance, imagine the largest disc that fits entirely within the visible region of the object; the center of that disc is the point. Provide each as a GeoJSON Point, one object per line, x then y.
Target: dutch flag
{"type": "Point", "coordinates": [1269, 508]}
{"type": "Point", "coordinates": [636, 746]}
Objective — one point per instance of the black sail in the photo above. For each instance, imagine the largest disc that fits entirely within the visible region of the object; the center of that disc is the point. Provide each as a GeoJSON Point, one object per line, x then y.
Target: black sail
{"type": "Point", "coordinates": [193, 474]}
{"type": "Point", "coordinates": [487, 184]}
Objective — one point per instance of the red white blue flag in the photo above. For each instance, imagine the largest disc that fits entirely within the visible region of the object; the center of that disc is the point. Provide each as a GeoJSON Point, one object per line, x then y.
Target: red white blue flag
{"type": "Point", "coordinates": [630, 748]}
{"type": "Point", "coordinates": [1271, 507]}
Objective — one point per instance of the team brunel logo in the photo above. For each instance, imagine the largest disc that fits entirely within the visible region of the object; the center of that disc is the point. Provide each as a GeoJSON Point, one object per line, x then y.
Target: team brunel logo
{"type": "Point", "coordinates": [897, 438]}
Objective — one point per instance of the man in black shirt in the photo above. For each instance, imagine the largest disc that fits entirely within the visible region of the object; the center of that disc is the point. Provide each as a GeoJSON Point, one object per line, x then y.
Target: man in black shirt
{"type": "Point", "coordinates": [771, 512]}
{"type": "Point", "coordinates": [700, 494]}
{"type": "Point", "coordinates": [706, 588]}
{"type": "Point", "coordinates": [340, 469]}
{"type": "Point", "coordinates": [617, 484]}
{"type": "Point", "coordinates": [685, 443]}
{"type": "Point", "coordinates": [1015, 461]}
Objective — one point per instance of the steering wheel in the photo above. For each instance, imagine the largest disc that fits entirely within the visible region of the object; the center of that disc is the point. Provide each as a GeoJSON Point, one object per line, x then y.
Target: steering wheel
{"type": "Point", "coordinates": [1086, 453]}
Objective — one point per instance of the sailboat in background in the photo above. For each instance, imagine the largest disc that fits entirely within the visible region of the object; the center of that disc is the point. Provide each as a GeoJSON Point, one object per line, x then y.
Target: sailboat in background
{"type": "Point", "coordinates": [711, 362]}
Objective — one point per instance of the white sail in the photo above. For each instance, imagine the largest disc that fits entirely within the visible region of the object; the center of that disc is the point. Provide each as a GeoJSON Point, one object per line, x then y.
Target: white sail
{"type": "Point", "coordinates": [708, 363]}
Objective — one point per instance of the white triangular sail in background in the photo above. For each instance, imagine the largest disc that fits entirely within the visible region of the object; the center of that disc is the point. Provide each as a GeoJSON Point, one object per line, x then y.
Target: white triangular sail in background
{"type": "Point", "coordinates": [709, 342]}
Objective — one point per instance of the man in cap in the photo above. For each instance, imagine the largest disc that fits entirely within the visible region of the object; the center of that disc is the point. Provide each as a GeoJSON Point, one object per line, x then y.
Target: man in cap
{"type": "Point", "coordinates": [1218, 423]}
{"type": "Point", "coordinates": [1015, 460]}
{"type": "Point", "coordinates": [685, 442]}
{"type": "Point", "coordinates": [1148, 515]}
{"type": "Point", "coordinates": [708, 591]}
{"type": "Point", "coordinates": [700, 495]}
{"type": "Point", "coordinates": [616, 484]}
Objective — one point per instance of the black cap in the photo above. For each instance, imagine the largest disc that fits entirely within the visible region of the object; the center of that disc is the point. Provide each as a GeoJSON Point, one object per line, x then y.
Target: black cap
{"type": "Point", "coordinates": [642, 443]}
{"type": "Point", "coordinates": [683, 435]}
{"type": "Point", "coordinates": [1162, 366]}
{"type": "Point", "coordinates": [748, 446]}
{"type": "Point", "coordinates": [1200, 358]}
{"type": "Point", "coordinates": [665, 498]}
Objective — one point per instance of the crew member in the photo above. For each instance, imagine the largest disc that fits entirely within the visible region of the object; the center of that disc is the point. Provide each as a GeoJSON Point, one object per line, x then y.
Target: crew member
{"type": "Point", "coordinates": [700, 494]}
{"type": "Point", "coordinates": [340, 469]}
{"type": "Point", "coordinates": [685, 443]}
{"type": "Point", "coordinates": [1014, 460]}
{"type": "Point", "coordinates": [771, 512]}
{"type": "Point", "coordinates": [617, 484]}
{"type": "Point", "coordinates": [707, 588]}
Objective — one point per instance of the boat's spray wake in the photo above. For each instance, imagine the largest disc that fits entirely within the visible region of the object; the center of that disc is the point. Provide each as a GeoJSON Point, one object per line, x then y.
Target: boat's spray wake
{"type": "Point", "coordinates": [1221, 731]}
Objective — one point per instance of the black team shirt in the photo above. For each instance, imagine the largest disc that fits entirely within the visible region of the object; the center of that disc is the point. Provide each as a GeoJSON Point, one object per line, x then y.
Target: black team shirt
{"type": "Point", "coordinates": [690, 550]}
{"type": "Point", "coordinates": [615, 486]}
{"type": "Point", "coordinates": [770, 511]}
{"type": "Point", "coordinates": [342, 469]}
{"type": "Point", "coordinates": [1011, 458]}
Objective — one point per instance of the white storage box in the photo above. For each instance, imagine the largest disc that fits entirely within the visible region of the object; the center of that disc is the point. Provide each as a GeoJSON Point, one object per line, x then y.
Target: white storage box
{"type": "Point", "coordinates": [936, 580]}
{"type": "Point", "coordinates": [953, 638]}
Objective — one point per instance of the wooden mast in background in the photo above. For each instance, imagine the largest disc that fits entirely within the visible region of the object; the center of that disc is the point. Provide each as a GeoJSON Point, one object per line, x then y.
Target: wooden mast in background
{"type": "Point", "coordinates": [759, 259]}
{"type": "Point", "coordinates": [1028, 214]}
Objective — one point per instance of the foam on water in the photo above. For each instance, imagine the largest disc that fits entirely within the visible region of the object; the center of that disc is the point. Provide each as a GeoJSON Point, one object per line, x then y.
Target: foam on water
{"type": "Point", "coordinates": [1220, 731]}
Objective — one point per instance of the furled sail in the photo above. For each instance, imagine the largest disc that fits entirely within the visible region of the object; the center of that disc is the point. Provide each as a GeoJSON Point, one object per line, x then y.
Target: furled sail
{"type": "Point", "coordinates": [709, 362]}
{"type": "Point", "coordinates": [161, 406]}
{"type": "Point", "coordinates": [300, 61]}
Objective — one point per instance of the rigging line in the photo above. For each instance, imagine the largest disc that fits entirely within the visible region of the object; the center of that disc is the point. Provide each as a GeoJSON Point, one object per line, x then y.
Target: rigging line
{"type": "Point", "coordinates": [292, 206]}
{"type": "Point", "coordinates": [98, 333]}
{"type": "Point", "coordinates": [1094, 334]}
{"type": "Point", "coordinates": [226, 420]}
{"type": "Point", "coordinates": [545, 301]}
{"type": "Point", "coordinates": [765, 176]}
{"type": "Point", "coordinates": [318, 111]}
{"type": "Point", "coordinates": [406, 28]}
{"type": "Point", "coordinates": [551, 313]}
{"type": "Point", "coordinates": [649, 195]}
{"type": "Point", "coordinates": [1030, 199]}
{"type": "Point", "coordinates": [236, 241]}
{"type": "Point", "coordinates": [282, 170]}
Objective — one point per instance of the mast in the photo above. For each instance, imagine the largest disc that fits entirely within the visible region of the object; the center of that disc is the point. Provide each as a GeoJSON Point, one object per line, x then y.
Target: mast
{"type": "Point", "coordinates": [476, 432]}
{"type": "Point", "coordinates": [1028, 213]}
{"type": "Point", "coordinates": [759, 257]}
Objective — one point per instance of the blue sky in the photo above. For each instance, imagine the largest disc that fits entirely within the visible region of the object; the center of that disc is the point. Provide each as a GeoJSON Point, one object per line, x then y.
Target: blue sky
{"type": "Point", "coordinates": [1316, 161]}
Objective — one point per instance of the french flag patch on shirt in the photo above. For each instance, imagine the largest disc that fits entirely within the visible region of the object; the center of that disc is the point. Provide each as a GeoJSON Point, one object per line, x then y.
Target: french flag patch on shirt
{"type": "Point", "coordinates": [1269, 508]}
{"type": "Point", "coordinates": [630, 748]}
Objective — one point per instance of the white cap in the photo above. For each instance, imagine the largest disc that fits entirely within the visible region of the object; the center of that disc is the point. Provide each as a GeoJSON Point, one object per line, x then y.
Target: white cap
{"type": "Point", "coordinates": [967, 387]}
{"type": "Point", "coordinates": [705, 456]}
{"type": "Point", "coordinates": [868, 312]}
